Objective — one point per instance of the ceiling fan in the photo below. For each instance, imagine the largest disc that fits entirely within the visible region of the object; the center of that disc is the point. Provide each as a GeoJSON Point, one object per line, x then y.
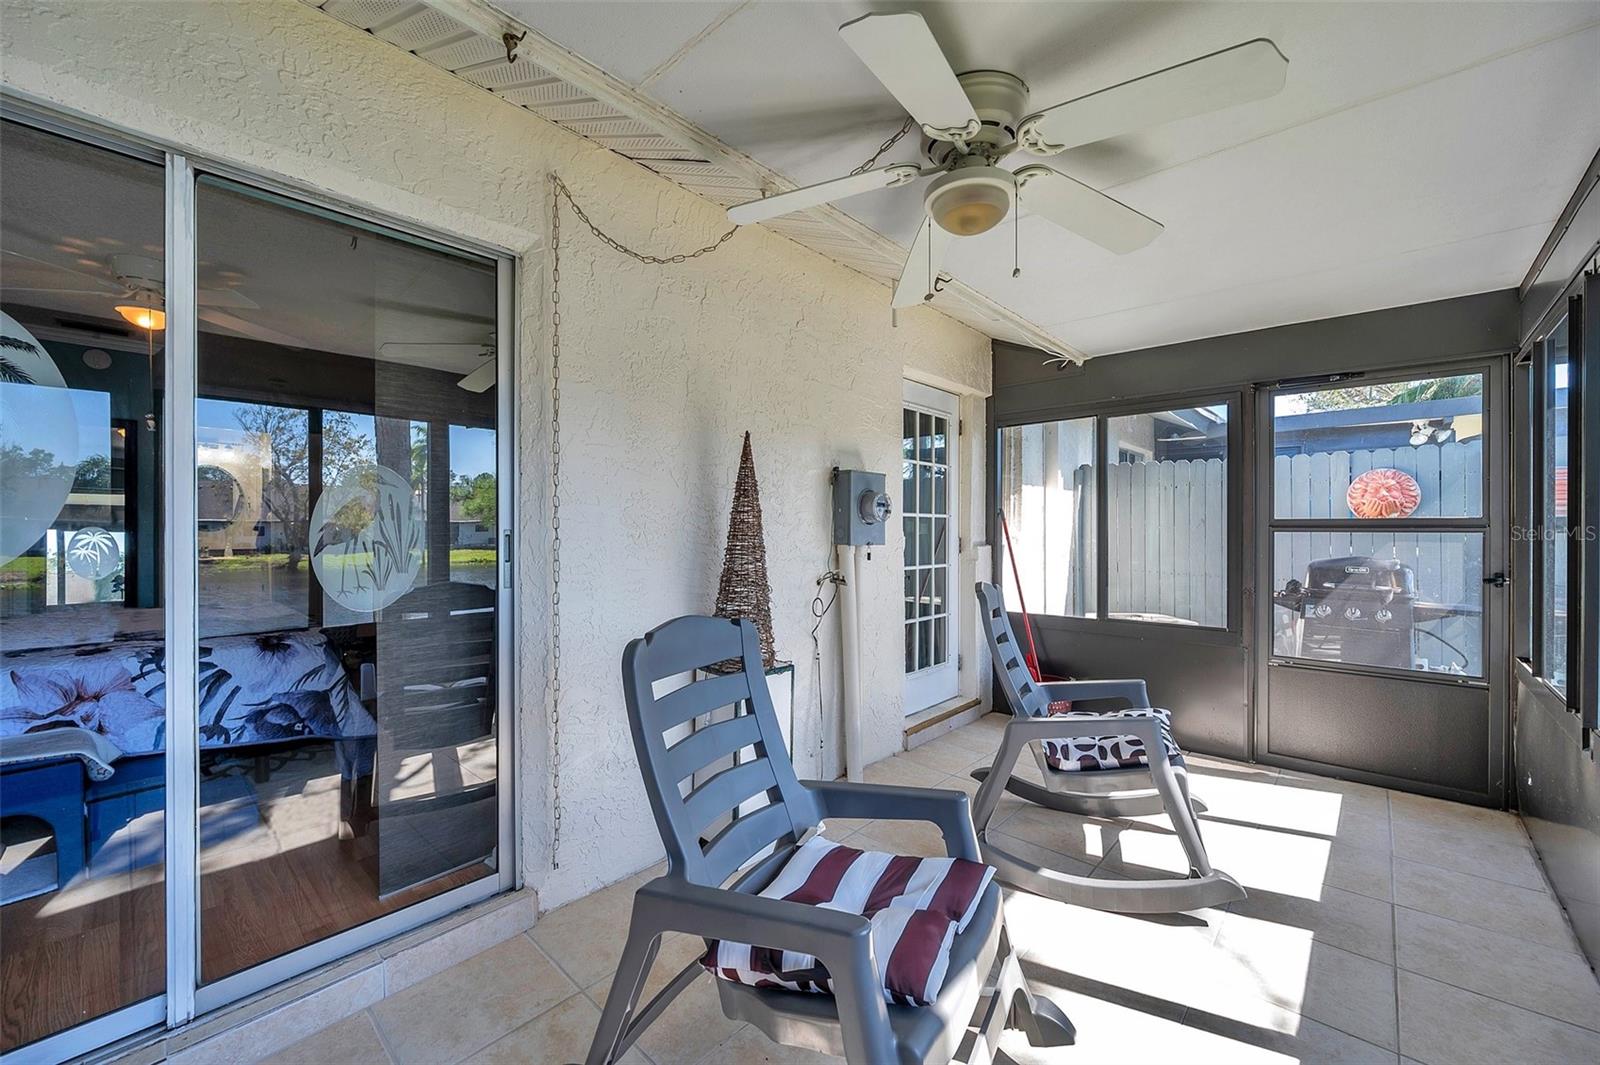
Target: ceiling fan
{"type": "Point", "coordinates": [423, 353]}
{"type": "Point", "coordinates": [138, 292]}
{"type": "Point", "coordinates": [973, 121]}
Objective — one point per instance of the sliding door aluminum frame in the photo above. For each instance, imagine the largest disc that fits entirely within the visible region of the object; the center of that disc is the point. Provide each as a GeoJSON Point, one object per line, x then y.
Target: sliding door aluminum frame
{"type": "Point", "coordinates": [147, 1013]}
{"type": "Point", "coordinates": [1570, 306]}
{"type": "Point", "coordinates": [1588, 481]}
{"type": "Point", "coordinates": [1493, 523]}
{"type": "Point", "coordinates": [276, 970]}
{"type": "Point", "coordinates": [181, 577]}
{"type": "Point", "coordinates": [184, 998]}
{"type": "Point", "coordinates": [1237, 474]}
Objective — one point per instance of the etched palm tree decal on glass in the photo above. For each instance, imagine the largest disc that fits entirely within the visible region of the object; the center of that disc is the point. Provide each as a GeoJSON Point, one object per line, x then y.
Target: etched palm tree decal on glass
{"type": "Point", "coordinates": [366, 538]}
{"type": "Point", "coordinates": [93, 554]}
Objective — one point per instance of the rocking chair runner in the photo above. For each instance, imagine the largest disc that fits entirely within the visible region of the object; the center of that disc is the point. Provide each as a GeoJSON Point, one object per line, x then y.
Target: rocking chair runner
{"type": "Point", "coordinates": [856, 1020]}
{"type": "Point", "coordinates": [1156, 782]}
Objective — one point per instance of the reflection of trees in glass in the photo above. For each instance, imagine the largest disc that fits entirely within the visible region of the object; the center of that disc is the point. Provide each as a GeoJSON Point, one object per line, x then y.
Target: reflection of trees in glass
{"type": "Point", "coordinates": [1393, 393]}
{"type": "Point", "coordinates": [476, 496]}
{"type": "Point", "coordinates": [285, 488]}
{"type": "Point", "coordinates": [34, 464]}
{"type": "Point", "coordinates": [94, 473]}
{"type": "Point", "coordinates": [419, 458]}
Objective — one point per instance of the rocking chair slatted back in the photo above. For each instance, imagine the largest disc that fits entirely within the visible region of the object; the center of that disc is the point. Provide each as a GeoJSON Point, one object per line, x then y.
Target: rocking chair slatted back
{"type": "Point", "coordinates": [1022, 691]}
{"type": "Point", "coordinates": [675, 648]}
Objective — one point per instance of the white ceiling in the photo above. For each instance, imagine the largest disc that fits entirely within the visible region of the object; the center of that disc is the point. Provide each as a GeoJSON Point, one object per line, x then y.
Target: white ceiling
{"type": "Point", "coordinates": [1418, 151]}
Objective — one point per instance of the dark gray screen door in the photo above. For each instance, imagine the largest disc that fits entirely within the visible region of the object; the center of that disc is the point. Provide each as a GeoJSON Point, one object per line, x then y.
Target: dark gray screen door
{"type": "Point", "coordinates": [1382, 639]}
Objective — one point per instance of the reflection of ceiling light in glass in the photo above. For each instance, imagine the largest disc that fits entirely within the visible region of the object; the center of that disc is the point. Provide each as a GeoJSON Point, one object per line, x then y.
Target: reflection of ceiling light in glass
{"type": "Point", "coordinates": [143, 317]}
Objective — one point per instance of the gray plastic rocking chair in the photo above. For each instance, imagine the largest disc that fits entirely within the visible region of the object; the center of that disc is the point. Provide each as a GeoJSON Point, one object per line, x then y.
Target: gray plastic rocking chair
{"type": "Point", "coordinates": [1160, 786]}
{"type": "Point", "coordinates": [691, 897]}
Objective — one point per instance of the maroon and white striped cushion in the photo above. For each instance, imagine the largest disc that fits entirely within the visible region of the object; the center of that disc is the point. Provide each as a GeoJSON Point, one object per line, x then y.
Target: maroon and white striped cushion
{"type": "Point", "coordinates": [916, 906]}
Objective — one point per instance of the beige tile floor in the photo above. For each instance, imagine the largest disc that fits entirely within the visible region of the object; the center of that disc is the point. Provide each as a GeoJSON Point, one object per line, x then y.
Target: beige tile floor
{"type": "Point", "coordinates": [1380, 927]}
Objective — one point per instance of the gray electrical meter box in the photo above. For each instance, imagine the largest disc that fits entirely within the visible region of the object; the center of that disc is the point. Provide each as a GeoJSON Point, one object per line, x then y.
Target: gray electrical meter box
{"type": "Point", "coordinates": [861, 508]}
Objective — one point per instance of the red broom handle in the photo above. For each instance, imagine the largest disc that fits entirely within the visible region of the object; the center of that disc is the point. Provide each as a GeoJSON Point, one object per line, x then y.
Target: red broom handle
{"type": "Point", "coordinates": [1031, 659]}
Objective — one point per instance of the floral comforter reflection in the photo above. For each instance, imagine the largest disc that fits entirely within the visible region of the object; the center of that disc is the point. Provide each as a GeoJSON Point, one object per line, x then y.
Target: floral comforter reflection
{"type": "Point", "coordinates": [254, 689]}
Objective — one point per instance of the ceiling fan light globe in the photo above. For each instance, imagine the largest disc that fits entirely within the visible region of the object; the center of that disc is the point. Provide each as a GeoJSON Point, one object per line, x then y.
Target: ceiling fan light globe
{"type": "Point", "coordinates": [144, 317]}
{"type": "Point", "coordinates": [970, 219]}
{"type": "Point", "coordinates": [970, 201]}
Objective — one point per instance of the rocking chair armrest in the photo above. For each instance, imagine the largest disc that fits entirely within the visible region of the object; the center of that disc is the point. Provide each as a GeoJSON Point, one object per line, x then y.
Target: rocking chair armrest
{"type": "Point", "coordinates": [722, 913]}
{"type": "Point", "coordinates": [946, 809]}
{"type": "Point", "coordinates": [1132, 689]}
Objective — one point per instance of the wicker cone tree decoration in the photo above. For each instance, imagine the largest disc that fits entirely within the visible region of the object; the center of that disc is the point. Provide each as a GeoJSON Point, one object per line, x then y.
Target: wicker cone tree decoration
{"type": "Point", "coordinates": [743, 591]}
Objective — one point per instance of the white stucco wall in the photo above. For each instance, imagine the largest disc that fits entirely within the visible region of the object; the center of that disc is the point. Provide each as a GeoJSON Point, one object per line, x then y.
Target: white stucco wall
{"type": "Point", "coordinates": [663, 367]}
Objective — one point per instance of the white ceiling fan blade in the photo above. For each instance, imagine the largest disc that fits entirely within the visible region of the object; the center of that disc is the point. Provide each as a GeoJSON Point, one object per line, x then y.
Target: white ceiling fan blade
{"type": "Point", "coordinates": [1250, 71]}
{"type": "Point", "coordinates": [886, 177]}
{"type": "Point", "coordinates": [483, 378]}
{"type": "Point", "coordinates": [1073, 205]}
{"type": "Point", "coordinates": [108, 286]}
{"type": "Point", "coordinates": [922, 265]}
{"type": "Point", "coordinates": [225, 297]}
{"type": "Point", "coordinates": [901, 52]}
{"type": "Point", "coordinates": [13, 292]}
{"type": "Point", "coordinates": [426, 353]}
{"type": "Point", "coordinates": [250, 329]}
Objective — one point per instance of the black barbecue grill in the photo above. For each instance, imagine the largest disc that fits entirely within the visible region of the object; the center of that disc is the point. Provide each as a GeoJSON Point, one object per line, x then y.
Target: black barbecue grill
{"type": "Point", "coordinates": [1356, 610]}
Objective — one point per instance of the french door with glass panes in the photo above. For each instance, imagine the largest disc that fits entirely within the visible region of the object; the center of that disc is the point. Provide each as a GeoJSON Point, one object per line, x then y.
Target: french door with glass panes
{"type": "Point", "coordinates": [929, 429]}
{"type": "Point", "coordinates": [254, 607]}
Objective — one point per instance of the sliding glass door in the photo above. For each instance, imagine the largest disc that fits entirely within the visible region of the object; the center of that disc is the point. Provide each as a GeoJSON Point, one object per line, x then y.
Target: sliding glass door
{"type": "Point", "coordinates": [254, 598]}
{"type": "Point", "coordinates": [347, 496]}
{"type": "Point", "coordinates": [82, 740]}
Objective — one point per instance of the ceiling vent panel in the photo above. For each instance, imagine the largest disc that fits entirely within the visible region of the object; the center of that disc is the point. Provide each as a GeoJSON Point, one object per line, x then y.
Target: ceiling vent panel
{"type": "Point", "coordinates": [365, 14]}
{"type": "Point", "coordinates": [457, 54]}
{"type": "Point", "coordinates": [500, 75]}
{"type": "Point", "coordinates": [420, 29]}
{"type": "Point", "coordinates": [544, 94]}
{"type": "Point", "coordinates": [610, 129]}
{"type": "Point", "coordinates": [576, 112]}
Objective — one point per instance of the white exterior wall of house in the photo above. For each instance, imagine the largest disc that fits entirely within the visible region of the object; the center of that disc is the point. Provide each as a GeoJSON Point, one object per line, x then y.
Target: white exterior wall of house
{"type": "Point", "coordinates": [663, 368]}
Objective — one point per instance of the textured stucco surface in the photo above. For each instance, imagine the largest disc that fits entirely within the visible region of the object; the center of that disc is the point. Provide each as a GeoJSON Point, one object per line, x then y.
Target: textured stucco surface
{"type": "Point", "coordinates": [662, 367]}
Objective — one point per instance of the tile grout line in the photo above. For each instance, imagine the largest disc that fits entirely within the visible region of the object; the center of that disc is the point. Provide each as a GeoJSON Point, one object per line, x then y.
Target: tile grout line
{"type": "Point", "coordinates": [1493, 998]}
{"type": "Point", "coordinates": [1394, 921]}
{"type": "Point", "coordinates": [1572, 950]}
{"type": "Point", "coordinates": [584, 991]}
{"type": "Point", "coordinates": [1501, 1002]}
{"type": "Point", "coordinates": [383, 1040]}
{"type": "Point", "coordinates": [1550, 890]}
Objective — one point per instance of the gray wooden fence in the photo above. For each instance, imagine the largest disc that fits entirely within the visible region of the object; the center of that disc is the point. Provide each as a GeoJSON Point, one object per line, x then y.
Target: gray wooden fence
{"type": "Point", "coordinates": [1168, 551]}
{"type": "Point", "coordinates": [1448, 565]}
{"type": "Point", "coordinates": [1167, 554]}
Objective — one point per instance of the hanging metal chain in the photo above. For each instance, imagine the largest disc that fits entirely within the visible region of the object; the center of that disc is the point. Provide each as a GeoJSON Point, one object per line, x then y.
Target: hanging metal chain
{"type": "Point", "coordinates": [561, 192]}
{"type": "Point", "coordinates": [555, 519]}
{"type": "Point", "coordinates": [885, 146]}
{"type": "Point", "coordinates": [615, 245]}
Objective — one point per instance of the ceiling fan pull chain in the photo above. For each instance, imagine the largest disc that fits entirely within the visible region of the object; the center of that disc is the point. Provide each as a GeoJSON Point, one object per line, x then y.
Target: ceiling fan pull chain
{"type": "Point", "coordinates": [1016, 237]}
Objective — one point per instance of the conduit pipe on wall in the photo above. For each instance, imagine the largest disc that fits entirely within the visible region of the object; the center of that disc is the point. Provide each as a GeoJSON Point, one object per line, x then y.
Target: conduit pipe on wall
{"type": "Point", "coordinates": [850, 656]}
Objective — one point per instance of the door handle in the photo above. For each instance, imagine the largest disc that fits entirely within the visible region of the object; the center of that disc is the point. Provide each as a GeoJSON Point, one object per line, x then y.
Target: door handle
{"type": "Point", "coordinates": [1499, 580]}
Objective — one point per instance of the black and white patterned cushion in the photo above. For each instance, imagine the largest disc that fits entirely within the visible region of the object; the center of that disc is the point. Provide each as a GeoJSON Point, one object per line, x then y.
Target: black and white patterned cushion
{"type": "Point", "coordinates": [1088, 753]}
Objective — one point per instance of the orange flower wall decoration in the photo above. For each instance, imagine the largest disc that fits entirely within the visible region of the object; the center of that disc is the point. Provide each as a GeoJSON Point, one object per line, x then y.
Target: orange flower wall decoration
{"type": "Point", "coordinates": [1384, 493]}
